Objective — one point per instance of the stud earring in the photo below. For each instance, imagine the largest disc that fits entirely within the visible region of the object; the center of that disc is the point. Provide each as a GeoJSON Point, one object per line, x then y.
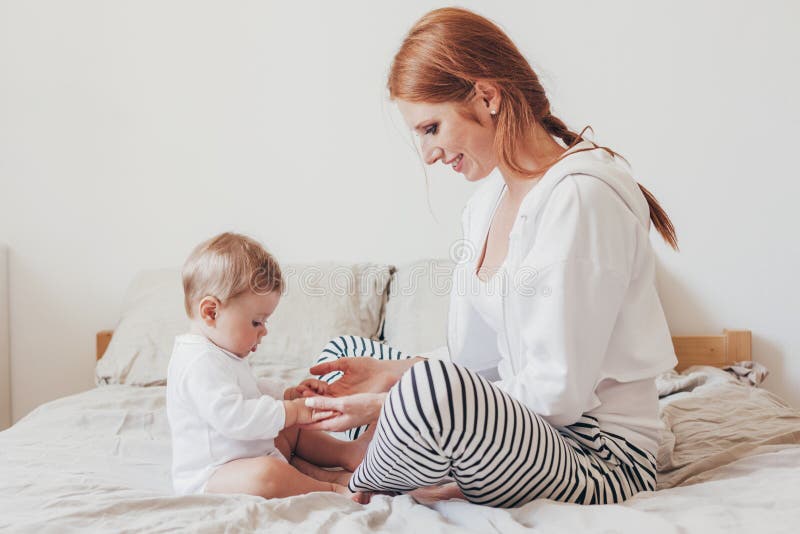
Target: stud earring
{"type": "Point", "coordinates": [493, 112]}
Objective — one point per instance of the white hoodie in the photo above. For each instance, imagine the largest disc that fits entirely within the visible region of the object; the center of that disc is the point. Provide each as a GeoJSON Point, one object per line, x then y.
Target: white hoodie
{"type": "Point", "coordinates": [583, 327]}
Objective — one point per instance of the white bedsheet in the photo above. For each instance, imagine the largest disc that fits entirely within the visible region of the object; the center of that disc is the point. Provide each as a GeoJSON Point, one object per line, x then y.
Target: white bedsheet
{"type": "Point", "coordinates": [99, 461]}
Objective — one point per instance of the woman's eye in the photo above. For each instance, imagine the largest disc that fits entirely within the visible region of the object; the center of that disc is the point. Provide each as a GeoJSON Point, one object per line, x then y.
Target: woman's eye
{"type": "Point", "coordinates": [432, 129]}
{"type": "Point", "coordinates": [256, 324]}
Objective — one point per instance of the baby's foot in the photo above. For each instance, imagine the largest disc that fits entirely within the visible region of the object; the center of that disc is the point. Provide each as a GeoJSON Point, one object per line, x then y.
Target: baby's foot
{"type": "Point", "coordinates": [432, 494]}
{"type": "Point", "coordinates": [358, 497]}
{"type": "Point", "coordinates": [341, 477]}
{"type": "Point", "coordinates": [362, 497]}
{"type": "Point", "coordinates": [338, 476]}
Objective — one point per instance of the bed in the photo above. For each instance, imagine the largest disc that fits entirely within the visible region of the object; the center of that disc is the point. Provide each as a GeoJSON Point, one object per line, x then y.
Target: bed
{"type": "Point", "coordinates": [729, 460]}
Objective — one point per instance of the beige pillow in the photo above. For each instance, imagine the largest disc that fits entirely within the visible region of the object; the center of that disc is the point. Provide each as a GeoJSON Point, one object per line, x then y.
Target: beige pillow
{"type": "Point", "coordinates": [419, 299]}
{"type": "Point", "coordinates": [321, 301]}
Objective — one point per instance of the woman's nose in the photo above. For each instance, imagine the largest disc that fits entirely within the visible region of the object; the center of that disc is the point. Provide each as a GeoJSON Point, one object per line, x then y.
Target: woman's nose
{"type": "Point", "coordinates": [431, 154]}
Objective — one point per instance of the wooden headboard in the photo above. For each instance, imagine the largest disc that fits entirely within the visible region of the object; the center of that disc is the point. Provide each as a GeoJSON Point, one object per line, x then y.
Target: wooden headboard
{"type": "Point", "coordinates": [719, 351]}
{"type": "Point", "coordinates": [103, 339]}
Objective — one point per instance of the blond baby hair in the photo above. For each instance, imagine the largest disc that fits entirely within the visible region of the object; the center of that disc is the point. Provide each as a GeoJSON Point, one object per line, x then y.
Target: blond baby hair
{"type": "Point", "coordinates": [226, 266]}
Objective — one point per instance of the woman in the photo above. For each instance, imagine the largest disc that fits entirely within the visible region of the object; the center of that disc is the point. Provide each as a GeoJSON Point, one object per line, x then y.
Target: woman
{"type": "Point", "coordinates": [549, 391]}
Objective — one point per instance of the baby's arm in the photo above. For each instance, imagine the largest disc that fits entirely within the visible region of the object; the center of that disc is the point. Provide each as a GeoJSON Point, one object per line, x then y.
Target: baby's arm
{"type": "Point", "coordinates": [297, 413]}
{"type": "Point", "coordinates": [214, 392]}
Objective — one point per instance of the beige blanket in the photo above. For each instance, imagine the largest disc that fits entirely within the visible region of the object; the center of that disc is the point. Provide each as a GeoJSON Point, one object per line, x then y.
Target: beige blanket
{"type": "Point", "coordinates": [713, 419]}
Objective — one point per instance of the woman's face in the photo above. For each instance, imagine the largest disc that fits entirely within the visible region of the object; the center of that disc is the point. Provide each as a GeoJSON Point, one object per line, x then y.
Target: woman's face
{"type": "Point", "coordinates": [461, 136]}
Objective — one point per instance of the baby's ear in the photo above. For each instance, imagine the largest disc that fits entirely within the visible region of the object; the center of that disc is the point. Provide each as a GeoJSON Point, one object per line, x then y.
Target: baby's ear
{"type": "Point", "coordinates": [208, 310]}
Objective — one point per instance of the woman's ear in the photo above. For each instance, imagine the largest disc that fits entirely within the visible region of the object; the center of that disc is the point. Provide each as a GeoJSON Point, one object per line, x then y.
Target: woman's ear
{"type": "Point", "coordinates": [209, 310]}
{"type": "Point", "coordinates": [489, 95]}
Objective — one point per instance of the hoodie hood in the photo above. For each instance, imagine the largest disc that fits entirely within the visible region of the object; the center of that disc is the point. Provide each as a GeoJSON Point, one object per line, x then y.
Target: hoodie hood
{"type": "Point", "coordinates": [601, 165]}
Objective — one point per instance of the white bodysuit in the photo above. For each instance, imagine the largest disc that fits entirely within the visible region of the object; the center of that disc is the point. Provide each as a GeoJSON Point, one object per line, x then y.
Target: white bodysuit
{"type": "Point", "coordinates": [218, 411]}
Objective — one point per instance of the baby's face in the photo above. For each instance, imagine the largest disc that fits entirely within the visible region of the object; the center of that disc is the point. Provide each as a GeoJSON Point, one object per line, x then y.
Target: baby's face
{"type": "Point", "coordinates": [241, 322]}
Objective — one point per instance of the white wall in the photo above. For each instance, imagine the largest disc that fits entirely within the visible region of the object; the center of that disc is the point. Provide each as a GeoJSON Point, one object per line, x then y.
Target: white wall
{"type": "Point", "coordinates": [129, 131]}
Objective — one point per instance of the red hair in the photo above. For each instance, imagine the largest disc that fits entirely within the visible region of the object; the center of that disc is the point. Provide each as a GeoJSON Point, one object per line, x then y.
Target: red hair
{"type": "Point", "coordinates": [449, 49]}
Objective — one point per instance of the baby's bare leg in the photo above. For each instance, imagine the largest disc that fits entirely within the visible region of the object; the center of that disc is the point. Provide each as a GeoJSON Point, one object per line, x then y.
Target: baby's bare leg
{"type": "Point", "coordinates": [286, 442]}
{"type": "Point", "coordinates": [326, 451]}
{"type": "Point", "coordinates": [266, 477]}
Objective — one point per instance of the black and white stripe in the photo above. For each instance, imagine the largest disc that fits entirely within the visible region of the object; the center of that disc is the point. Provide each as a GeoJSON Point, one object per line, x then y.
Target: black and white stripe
{"type": "Point", "coordinates": [441, 420]}
{"type": "Point", "coordinates": [355, 346]}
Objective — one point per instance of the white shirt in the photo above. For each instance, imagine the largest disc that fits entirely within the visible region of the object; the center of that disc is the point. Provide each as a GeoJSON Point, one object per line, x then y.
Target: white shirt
{"type": "Point", "coordinates": [487, 299]}
{"type": "Point", "coordinates": [582, 327]}
{"type": "Point", "coordinates": [486, 294]}
{"type": "Point", "coordinates": [218, 411]}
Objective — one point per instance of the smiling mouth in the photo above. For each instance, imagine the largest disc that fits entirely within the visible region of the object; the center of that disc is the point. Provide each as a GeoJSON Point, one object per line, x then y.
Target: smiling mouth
{"type": "Point", "coordinates": [456, 162]}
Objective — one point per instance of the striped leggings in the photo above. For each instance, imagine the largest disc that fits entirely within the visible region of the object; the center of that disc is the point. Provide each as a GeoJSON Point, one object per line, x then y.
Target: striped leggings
{"type": "Point", "coordinates": [442, 420]}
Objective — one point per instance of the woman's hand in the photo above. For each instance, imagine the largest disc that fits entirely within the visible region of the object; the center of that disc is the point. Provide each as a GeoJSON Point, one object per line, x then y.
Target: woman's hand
{"type": "Point", "coordinates": [363, 375]}
{"type": "Point", "coordinates": [349, 412]}
{"type": "Point", "coordinates": [297, 413]}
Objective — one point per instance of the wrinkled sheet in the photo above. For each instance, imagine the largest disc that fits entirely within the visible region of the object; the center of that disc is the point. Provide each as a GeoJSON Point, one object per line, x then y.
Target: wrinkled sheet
{"type": "Point", "coordinates": [99, 461]}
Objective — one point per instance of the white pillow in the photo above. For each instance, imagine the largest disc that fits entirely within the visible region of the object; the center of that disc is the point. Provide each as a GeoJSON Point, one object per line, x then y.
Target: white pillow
{"type": "Point", "coordinates": [321, 301]}
{"type": "Point", "coordinates": [419, 300]}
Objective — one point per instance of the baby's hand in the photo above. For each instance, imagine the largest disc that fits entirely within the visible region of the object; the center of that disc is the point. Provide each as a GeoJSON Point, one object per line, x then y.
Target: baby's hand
{"type": "Point", "coordinates": [297, 413]}
{"type": "Point", "coordinates": [310, 387]}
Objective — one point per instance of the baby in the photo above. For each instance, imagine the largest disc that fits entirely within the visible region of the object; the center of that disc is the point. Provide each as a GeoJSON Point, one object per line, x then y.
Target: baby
{"type": "Point", "coordinates": [230, 434]}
